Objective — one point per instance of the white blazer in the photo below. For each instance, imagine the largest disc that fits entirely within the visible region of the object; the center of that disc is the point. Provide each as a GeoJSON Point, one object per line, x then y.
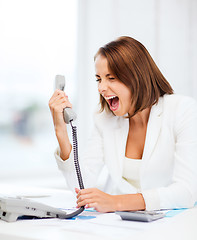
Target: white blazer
{"type": "Point", "coordinates": [168, 175]}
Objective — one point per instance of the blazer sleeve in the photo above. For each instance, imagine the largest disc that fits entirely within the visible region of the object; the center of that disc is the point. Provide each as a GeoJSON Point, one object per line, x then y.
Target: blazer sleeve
{"type": "Point", "coordinates": [91, 162]}
{"type": "Point", "coordinates": [182, 192]}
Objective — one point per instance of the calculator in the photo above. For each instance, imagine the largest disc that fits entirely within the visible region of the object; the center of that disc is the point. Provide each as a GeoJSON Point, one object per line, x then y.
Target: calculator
{"type": "Point", "coordinates": [142, 216]}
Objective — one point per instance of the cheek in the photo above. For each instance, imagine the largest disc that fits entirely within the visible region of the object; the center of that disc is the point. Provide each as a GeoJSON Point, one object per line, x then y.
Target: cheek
{"type": "Point", "coordinates": [126, 97]}
{"type": "Point", "coordinates": [98, 87]}
{"type": "Point", "coordinates": [127, 102]}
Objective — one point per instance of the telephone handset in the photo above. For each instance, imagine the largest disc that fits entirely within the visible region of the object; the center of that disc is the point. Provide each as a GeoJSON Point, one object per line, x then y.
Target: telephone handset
{"type": "Point", "coordinates": [11, 208]}
{"type": "Point", "coordinates": [68, 113]}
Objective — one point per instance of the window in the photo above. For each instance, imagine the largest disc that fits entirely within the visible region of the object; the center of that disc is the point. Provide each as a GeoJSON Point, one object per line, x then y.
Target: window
{"type": "Point", "coordinates": [38, 41]}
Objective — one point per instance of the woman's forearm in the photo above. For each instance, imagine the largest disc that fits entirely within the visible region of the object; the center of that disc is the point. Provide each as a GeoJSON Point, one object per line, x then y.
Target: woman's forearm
{"type": "Point", "coordinates": [129, 202]}
{"type": "Point", "coordinates": [64, 144]}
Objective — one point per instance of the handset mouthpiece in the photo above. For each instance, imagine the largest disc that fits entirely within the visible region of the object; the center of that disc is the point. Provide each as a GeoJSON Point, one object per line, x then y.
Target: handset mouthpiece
{"type": "Point", "coordinates": [69, 115]}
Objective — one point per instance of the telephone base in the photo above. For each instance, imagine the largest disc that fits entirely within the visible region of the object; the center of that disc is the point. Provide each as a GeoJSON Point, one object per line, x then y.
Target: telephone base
{"type": "Point", "coordinates": [13, 208]}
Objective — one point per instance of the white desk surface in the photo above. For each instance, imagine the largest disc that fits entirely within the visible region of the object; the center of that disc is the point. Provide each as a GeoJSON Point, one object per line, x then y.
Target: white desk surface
{"type": "Point", "coordinates": [182, 226]}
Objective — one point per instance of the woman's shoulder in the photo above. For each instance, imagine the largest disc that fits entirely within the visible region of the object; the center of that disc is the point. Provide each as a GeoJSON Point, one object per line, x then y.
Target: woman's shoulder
{"type": "Point", "coordinates": [178, 100]}
{"type": "Point", "coordinates": [178, 97]}
{"type": "Point", "coordinates": [177, 104]}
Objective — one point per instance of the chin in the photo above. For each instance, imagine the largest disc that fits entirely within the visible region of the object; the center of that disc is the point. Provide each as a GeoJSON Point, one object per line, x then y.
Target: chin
{"type": "Point", "coordinates": [119, 114]}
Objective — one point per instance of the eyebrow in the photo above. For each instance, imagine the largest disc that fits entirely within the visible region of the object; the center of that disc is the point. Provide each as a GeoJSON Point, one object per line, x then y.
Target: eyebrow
{"type": "Point", "coordinates": [107, 75]}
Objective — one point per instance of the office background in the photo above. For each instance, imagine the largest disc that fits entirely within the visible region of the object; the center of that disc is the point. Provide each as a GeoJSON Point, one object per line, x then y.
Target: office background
{"type": "Point", "coordinates": [41, 38]}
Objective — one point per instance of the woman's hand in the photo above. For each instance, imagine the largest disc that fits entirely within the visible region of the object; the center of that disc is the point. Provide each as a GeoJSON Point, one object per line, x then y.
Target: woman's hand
{"type": "Point", "coordinates": [57, 103]}
{"type": "Point", "coordinates": [94, 198]}
{"type": "Point", "coordinates": [103, 202]}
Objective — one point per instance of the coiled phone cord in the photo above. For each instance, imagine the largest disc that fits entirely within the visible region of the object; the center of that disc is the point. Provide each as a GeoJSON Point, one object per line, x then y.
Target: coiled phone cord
{"type": "Point", "coordinates": [78, 171]}
{"type": "Point", "coordinates": [75, 151]}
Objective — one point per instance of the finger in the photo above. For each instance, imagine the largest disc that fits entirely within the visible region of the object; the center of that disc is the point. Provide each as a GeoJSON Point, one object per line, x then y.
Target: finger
{"type": "Point", "coordinates": [60, 93]}
{"type": "Point", "coordinates": [88, 190]}
{"type": "Point", "coordinates": [62, 99]}
{"type": "Point", "coordinates": [83, 192]}
{"type": "Point", "coordinates": [84, 197]}
{"type": "Point", "coordinates": [87, 193]}
{"type": "Point", "coordinates": [85, 202]}
{"type": "Point", "coordinates": [64, 102]}
{"type": "Point", "coordinates": [92, 205]}
{"type": "Point", "coordinates": [77, 190]}
{"type": "Point", "coordinates": [59, 103]}
{"type": "Point", "coordinates": [56, 96]}
{"type": "Point", "coordinates": [56, 93]}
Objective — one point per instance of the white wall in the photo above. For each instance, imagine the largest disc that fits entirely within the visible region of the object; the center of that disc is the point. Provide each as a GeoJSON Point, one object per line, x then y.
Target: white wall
{"type": "Point", "coordinates": [167, 28]}
{"type": "Point", "coordinates": [37, 41]}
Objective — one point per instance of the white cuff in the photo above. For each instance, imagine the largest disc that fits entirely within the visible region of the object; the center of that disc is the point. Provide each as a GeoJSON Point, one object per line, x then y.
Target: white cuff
{"type": "Point", "coordinates": [63, 165]}
{"type": "Point", "coordinates": [151, 198]}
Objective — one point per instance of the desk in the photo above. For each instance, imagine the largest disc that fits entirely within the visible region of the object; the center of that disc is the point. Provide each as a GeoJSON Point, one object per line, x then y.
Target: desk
{"type": "Point", "coordinates": [183, 226]}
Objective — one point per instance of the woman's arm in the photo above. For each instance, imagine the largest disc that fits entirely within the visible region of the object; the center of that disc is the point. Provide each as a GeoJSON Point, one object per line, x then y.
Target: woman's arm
{"type": "Point", "coordinates": [91, 161]}
{"type": "Point", "coordinates": [181, 191]}
{"type": "Point", "coordinates": [57, 103]}
{"type": "Point", "coordinates": [103, 202]}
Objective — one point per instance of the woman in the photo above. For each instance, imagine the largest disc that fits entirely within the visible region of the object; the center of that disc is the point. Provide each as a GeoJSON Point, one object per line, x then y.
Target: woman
{"type": "Point", "coordinates": [144, 134]}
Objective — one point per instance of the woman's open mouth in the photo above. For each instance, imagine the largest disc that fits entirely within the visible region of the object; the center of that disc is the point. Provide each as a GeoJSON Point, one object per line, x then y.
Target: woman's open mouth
{"type": "Point", "coordinates": [113, 102]}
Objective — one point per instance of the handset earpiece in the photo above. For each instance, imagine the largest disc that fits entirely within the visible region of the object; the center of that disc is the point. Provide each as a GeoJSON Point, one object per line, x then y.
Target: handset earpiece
{"type": "Point", "coordinates": [68, 113]}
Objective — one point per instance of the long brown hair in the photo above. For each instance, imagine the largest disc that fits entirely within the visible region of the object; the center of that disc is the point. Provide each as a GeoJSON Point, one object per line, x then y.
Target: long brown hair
{"type": "Point", "coordinates": [130, 62]}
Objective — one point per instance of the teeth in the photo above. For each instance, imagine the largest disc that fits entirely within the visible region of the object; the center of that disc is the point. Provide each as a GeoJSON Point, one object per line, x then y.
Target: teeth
{"type": "Point", "coordinates": [111, 97]}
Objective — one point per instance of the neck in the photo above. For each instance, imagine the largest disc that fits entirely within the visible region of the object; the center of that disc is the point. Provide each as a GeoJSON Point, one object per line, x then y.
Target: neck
{"type": "Point", "coordinates": [140, 118]}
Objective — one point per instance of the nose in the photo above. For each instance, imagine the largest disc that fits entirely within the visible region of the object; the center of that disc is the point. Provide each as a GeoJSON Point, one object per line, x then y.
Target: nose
{"type": "Point", "coordinates": [102, 86]}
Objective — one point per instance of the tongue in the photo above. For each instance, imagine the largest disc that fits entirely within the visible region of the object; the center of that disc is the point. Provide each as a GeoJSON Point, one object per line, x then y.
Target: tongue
{"type": "Point", "coordinates": [114, 102]}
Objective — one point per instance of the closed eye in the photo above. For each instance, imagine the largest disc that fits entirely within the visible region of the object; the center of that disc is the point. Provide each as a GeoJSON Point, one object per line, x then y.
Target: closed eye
{"type": "Point", "coordinates": [110, 78]}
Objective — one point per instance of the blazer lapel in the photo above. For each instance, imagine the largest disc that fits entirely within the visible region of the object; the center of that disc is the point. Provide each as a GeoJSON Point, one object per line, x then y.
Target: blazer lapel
{"type": "Point", "coordinates": [153, 129]}
{"type": "Point", "coordinates": [121, 134]}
